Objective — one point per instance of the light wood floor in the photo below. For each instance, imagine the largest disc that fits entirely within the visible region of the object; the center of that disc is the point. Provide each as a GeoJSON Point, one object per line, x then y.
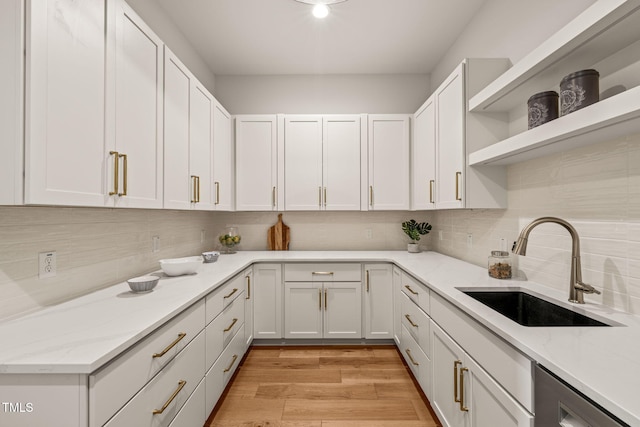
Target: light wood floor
{"type": "Point", "coordinates": [322, 386]}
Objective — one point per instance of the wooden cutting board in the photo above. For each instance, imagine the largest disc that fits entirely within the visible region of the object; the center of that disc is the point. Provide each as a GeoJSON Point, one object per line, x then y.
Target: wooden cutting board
{"type": "Point", "coordinates": [278, 236]}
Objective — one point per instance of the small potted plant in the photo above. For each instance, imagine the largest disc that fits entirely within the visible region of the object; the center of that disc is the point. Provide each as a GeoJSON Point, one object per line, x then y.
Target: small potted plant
{"type": "Point", "coordinates": [414, 230]}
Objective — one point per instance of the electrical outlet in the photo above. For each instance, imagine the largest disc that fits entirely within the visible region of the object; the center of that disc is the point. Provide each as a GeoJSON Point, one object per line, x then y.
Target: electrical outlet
{"type": "Point", "coordinates": [368, 233]}
{"type": "Point", "coordinates": [503, 244]}
{"type": "Point", "coordinates": [47, 265]}
{"type": "Point", "coordinates": [155, 244]}
{"type": "Point", "coordinates": [469, 241]}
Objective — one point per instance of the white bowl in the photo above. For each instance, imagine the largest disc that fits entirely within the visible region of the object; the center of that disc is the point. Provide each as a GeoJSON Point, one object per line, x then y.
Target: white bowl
{"type": "Point", "coordinates": [180, 266]}
{"type": "Point", "coordinates": [143, 284]}
{"type": "Point", "coordinates": [211, 256]}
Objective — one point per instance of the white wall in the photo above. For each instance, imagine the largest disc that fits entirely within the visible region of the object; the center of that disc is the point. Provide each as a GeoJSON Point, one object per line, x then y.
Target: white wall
{"type": "Point", "coordinates": [156, 18]}
{"type": "Point", "coordinates": [331, 94]}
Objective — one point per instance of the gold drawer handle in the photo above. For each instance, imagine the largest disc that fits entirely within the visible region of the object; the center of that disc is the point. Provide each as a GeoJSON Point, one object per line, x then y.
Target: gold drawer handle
{"type": "Point", "coordinates": [248, 287]}
{"type": "Point", "coordinates": [173, 344]}
{"type": "Point", "coordinates": [325, 300]}
{"type": "Point", "coordinates": [458, 176]}
{"type": "Point", "coordinates": [116, 172]}
{"type": "Point", "coordinates": [232, 292]}
{"type": "Point", "coordinates": [410, 321]}
{"type": "Point", "coordinates": [230, 326]}
{"type": "Point", "coordinates": [367, 279]}
{"type": "Point", "coordinates": [462, 407]}
{"type": "Point", "coordinates": [455, 380]}
{"type": "Point", "coordinates": [181, 385]}
{"type": "Point", "coordinates": [125, 178]}
{"type": "Point", "coordinates": [320, 299]}
{"type": "Point", "coordinates": [431, 182]}
{"type": "Point", "coordinates": [217, 184]}
{"type": "Point", "coordinates": [411, 357]}
{"type": "Point", "coordinates": [371, 195]}
{"type": "Point", "coordinates": [273, 197]}
{"type": "Point", "coordinates": [411, 290]}
{"type": "Point", "coordinates": [233, 361]}
{"type": "Point", "coordinates": [322, 273]}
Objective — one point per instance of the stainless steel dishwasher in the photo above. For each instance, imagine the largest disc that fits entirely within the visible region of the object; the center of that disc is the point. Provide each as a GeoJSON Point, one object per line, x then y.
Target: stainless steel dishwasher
{"type": "Point", "coordinates": [558, 404]}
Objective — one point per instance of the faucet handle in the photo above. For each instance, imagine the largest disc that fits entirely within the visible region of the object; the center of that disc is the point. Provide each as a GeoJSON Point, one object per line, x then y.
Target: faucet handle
{"type": "Point", "coordinates": [587, 289]}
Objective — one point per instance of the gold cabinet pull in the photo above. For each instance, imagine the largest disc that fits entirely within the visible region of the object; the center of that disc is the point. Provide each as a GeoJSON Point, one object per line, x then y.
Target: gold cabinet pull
{"type": "Point", "coordinates": [325, 197]}
{"type": "Point", "coordinates": [367, 279]}
{"type": "Point", "coordinates": [181, 385]}
{"type": "Point", "coordinates": [248, 287]}
{"type": "Point", "coordinates": [458, 176]}
{"type": "Point", "coordinates": [194, 184]}
{"type": "Point", "coordinates": [228, 328]}
{"type": "Point", "coordinates": [233, 361]}
{"type": "Point", "coordinates": [325, 300]}
{"type": "Point", "coordinates": [198, 192]}
{"type": "Point", "coordinates": [410, 290]}
{"type": "Point", "coordinates": [173, 344]}
{"type": "Point", "coordinates": [116, 172]}
{"type": "Point", "coordinates": [320, 299]}
{"type": "Point", "coordinates": [410, 321]}
{"type": "Point", "coordinates": [371, 195]}
{"type": "Point", "coordinates": [431, 183]}
{"type": "Point", "coordinates": [462, 407]}
{"type": "Point", "coordinates": [455, 380]}
{"type": "Point", "coordinates": [273, 197]}
{"type": "Point", "coordinates": [125, 177]}
{"type": "Point", "coordinates": [319, 196]}
{"type": "Point", "coordinates": [232, 292]}
{"type": "Point", "coordinates": [411, 357]}
{"type": "Point", "coordinates": [217, 184]}
{"type": "Point", "coordinates": [322, 273]}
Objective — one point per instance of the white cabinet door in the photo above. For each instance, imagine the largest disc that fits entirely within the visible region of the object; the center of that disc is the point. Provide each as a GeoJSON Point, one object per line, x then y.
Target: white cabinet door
{"type": "Point", "coordinates": [342, 310]}
{"type": "Point", "coordinates": [11, 102]}
{"type": "Point", "coordinates": [447, 359]}
{"type": "Point", "coordinates": [304, 303]}
{"type": "Point", "coordinates": [65, 148]}
{"type": "Point", "coordinates": [201, 148]}
{"type": "Point", "coordinates": [303, 163]}
{"type": "Point", "coordinates": [267, 307]}
{"type": "Point", "coordinates": [135, 95]}
{"type": "Point", "coordinates": [423, 162]}
{"type": "Point", "coordinates": [378, 293]}
{"type": "Point", "coordinates": [248, 306]}
{"type": "Point", "coordinates": [388, 162]}
{"type": "Point", "coordinates": [341, 141]}
{"type": "Point", "coordinates": [256, 163]}
{"type": "Point", "coordinates": [397, 303]}
{"type": "Point", "coordinates": [450, 122]}
{"type": "Point", "coordinates": [177, 184]}
{"type": "Point", "coordinates": [222, 159]}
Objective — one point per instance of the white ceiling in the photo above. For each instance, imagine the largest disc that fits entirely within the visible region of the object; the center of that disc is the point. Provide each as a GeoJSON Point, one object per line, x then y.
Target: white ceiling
{"type": "Point", "coordinates": [245, 37]}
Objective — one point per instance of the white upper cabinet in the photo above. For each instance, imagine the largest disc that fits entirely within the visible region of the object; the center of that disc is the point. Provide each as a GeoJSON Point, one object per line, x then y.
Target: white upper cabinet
{"type": "Point", "coordinates": [201, 147]}
{"type": "Point", "coordinates": [134, 103]}
{"type": "Point", "coordinates": [65, 149]}
{"type": "Point", "coordinates": [606, 37]}
{"type": "Point", "coordinates": [388, 139]}
{"type": "Point", "coordinates": [423, 161]}
{"type": "Point", "coordinates": [322, 162]}
{"type": "Point", "coordinates": [222, 159]}
{"type": "Point", "coordinates": [256, 163]}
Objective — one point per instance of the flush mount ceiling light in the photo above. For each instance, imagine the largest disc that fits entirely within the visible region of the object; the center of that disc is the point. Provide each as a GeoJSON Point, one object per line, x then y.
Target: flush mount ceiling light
{"type": "Point", "coordinates": [320, 7]}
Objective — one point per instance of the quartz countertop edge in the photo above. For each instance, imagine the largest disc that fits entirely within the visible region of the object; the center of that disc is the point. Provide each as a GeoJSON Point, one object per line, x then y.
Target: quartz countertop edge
{"type": "Point", "coordinates": [83, 334]}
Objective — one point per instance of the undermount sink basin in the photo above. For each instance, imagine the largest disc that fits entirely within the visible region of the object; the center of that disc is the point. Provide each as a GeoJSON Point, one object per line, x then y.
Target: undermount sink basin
{"type": "Point", "coordinates": [529, 310]}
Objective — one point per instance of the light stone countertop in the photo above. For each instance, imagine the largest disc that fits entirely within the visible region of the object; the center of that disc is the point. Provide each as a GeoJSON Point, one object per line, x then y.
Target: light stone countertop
{"type": "Point", "coordinates": [81, 335]}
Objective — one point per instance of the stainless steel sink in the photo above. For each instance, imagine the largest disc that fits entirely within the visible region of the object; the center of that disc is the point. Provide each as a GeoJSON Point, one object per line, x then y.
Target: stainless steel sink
{"type": "Point", "coordinates": [530, 310]}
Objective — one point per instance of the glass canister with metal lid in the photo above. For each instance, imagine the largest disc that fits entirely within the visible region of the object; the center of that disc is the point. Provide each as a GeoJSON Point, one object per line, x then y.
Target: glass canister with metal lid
{"type": "Point", "coordinates": [499, 265]}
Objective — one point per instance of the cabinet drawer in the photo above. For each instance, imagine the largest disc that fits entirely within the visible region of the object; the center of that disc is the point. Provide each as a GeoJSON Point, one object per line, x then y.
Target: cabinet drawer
{"type": "Point", "coordinates": [416, 291]}
{"type": "Point", "coordinates": [222, 371]}
{"type": "Point", "coordinates": [418, 362]}
{"type": "Point", "coordinates": [510, 368]}
{"type": "Point", "coordinates": [193, 413]}
{"type": "Point", "coordinates": [322, 272]}
{"type": "Point", "coordinates": [169, 390]}
{"type": "Point", "coordinates": [417, 323]}
{"type": "Point", "coordinates": [112, 386]}
{"type": "Point", "coordinates": [223, 329]}
{"type": "Point", "coordinates": [223, 296]}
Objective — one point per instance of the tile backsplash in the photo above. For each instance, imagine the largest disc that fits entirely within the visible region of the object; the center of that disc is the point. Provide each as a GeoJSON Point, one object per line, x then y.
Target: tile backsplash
{"type": "Point", "coordinates": [596, 188]}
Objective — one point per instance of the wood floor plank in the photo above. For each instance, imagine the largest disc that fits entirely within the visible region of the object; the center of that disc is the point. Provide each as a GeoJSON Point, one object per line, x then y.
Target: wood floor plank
{"type": "Point", "coordinates": [250, 374]}
{"type": "Point", "coordinates": [390, 375]}
{"type": "Point", "coordinates": [373, 423]}
{"type": "Point", "coordinates": [317, 391]}
{"type": "Point", "coordinates": [285, 362]}
{"type": "Point", "coordinates": [398, 390]}
{"type": "Point", "coordinates": [295, 409]}
{"type": "Point", "coordinates": [249, 410]}
{"type": "Point", "coordinates": [266, 423]}
{"type": "Point", "coordinates": [358, 362]}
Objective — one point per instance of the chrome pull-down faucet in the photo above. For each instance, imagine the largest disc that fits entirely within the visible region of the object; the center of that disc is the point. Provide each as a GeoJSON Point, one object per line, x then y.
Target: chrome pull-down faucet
{"type": "Point", "coordinates": [577, 288]}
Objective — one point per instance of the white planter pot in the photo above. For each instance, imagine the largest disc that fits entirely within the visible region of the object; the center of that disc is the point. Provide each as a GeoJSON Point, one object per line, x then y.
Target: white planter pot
{"type": "Point", "coordinates": [413, 248]}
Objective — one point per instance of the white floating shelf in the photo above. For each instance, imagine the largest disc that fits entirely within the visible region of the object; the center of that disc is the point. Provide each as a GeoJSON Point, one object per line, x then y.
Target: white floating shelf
{"type": "Point", "coordinates": [608, 119]}
{"type": "Point", "coordinates": [605, 27]}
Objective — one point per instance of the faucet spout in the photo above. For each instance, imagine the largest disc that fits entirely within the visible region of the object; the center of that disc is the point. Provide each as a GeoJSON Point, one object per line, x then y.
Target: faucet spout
{"type": "Point", "coordinates": [577, 288]}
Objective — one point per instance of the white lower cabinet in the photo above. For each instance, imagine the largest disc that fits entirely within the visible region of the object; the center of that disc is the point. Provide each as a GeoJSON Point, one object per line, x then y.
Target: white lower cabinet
{"type": "Point", "coordinates": [418, 361]}
{"type": "Point", "coordinates": [397, 300]}
{"type": "Point", "coordinates": [267, 308]}
{"type": "Point", "coordinates": [248, 306]}
{"type": "Point", "coordinates": [193, 413]}
{"type": "Point", "coordinates": [223, 369]}
{"type": "Point", "coordinates": [378, 294]}
{"type": "Point", "coordinates": [465, 395]}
